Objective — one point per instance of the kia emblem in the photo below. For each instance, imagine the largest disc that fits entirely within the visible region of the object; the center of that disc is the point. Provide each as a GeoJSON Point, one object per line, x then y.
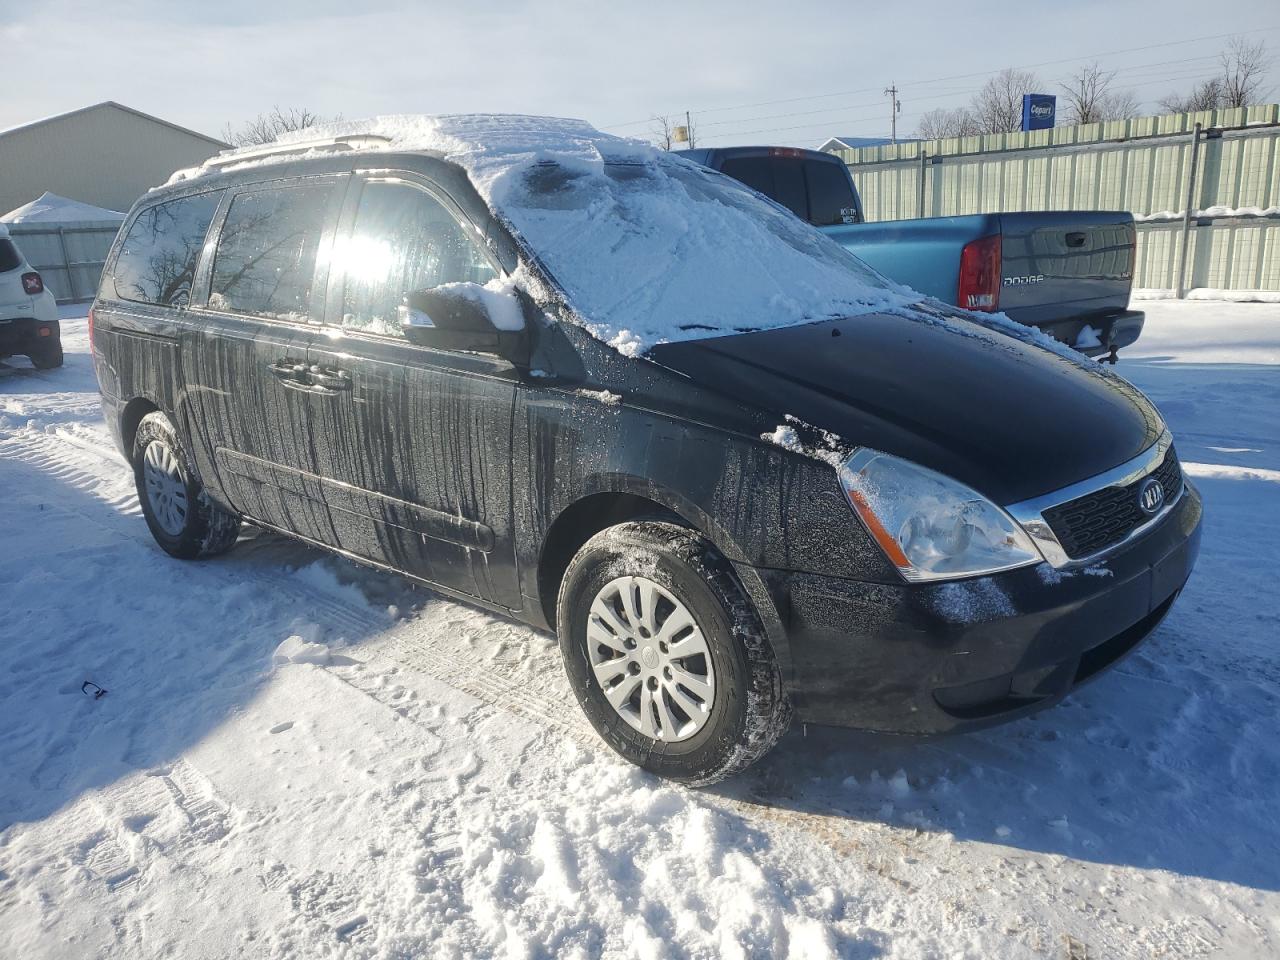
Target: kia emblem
{"type": "Point", "coordinates": [1151, 496]}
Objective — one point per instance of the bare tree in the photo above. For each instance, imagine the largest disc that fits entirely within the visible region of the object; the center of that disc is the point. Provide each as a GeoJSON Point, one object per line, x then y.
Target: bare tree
{"type": "Point", "coordinates": [663, 131]}
{"type": "Point", "coordinates": [941, 123]}
{"type": "Point", "coordinates": [1089, 98]}
{"type": "Point", "coordinates": [664, 128]}
{"type": "Point", "coordinates": [1241, 82]}
{"type": "Point", "coordinates": [998, 105]}
{"type": "Point", "coordinates": [1244, 68]}
{"type": "Point", "coordinates": [1206, 95]}
{"type": "Point", "coordinates": [267, 127]}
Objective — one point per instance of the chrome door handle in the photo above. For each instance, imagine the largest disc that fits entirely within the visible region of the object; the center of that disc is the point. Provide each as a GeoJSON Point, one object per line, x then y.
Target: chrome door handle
{"type": "Point", "coordinates": [287, 369]}
{"type": "Point", "coordinates": [330, 379]}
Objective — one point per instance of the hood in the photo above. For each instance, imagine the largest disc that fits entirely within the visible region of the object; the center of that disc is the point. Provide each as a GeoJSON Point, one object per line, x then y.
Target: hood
{"type": "Point", "coordinates": [1011, 419]}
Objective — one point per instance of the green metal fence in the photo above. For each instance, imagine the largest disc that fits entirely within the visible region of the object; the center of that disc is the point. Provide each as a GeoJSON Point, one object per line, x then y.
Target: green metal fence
{"type": "Point", "coordinates": [1144, 166]}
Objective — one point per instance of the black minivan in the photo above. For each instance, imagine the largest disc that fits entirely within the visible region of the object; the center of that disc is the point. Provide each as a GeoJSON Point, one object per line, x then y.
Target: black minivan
{"type": "Point", "coordinates": [608, 391]}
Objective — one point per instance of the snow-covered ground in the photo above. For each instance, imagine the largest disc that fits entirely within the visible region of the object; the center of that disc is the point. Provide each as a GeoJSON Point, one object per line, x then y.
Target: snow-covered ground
{"type": "Point", "coordinates": [296, 757]}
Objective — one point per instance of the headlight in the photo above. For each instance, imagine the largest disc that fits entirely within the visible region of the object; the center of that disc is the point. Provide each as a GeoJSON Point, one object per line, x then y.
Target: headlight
{"type": "Point", "coordinates": [929, 526]}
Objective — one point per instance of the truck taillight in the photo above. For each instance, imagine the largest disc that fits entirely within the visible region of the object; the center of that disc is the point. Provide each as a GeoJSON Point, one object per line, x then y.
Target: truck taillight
{"type": "Point", "coordinates": [32, 283]}
{"type": "Point", "coordinates": [979, 286]}
{"type": "Point", "coordinates": [91, 329]}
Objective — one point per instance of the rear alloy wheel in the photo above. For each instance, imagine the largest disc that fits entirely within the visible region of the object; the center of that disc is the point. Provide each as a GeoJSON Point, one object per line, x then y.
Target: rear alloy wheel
{"type": "Point", "coordinates": [180, 515]}
{"type": "Point", "coordinates": [667, 655]}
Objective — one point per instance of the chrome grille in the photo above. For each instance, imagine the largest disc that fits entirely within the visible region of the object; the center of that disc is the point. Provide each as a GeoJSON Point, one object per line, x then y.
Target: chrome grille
{"type": "Point", "coordinates": [1101, 519]}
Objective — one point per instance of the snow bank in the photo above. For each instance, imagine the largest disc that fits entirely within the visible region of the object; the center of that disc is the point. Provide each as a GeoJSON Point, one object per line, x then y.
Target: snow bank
{"type": "Point", "coordinates": [1207, 293]}
{"type": "Point", "coordinates": [51, 208]}
{"type": "Point", "coordinates": [646, 247]}
{"type": "Point", "coordinates": [1216, 211]}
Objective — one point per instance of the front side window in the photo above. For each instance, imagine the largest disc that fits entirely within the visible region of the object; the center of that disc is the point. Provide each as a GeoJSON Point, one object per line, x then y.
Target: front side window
{"type": "Point", "coordinates": [266, 257]}
{"type": "Point", "coordinates": [157, 260]}
{"type": "Point", "coordinates": [404, 241]}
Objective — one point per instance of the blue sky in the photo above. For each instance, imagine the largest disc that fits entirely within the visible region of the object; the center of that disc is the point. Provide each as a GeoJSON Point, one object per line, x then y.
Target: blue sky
{"type": "Point", "coordinates": [202, 65]}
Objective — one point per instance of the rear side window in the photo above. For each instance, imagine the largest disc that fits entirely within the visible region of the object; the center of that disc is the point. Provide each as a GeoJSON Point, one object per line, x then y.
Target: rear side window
{"type": "Point", "coordinates": [9, 257]}
{"type": "Point", "coordinates": [157, 260]}
{"type": "Point", "coordinates": [404, 242]}
{"type": "Point", "coordinates": [830, 196]}
{"type": "Point", "coordinates": [777, 178]}
{"type": "Point", "coordinates": [266, 256]}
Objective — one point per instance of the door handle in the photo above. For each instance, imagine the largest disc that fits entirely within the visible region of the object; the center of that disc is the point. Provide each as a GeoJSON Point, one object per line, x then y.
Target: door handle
{"type": "Point", "coordinates": [286, 369]}
{"type": "Point", "coordinates": [1075, 239]}
{"type": "Point", "coordinates": [329, 379]}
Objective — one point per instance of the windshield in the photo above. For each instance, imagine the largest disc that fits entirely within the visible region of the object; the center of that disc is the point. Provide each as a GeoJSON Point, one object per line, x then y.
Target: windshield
{"type": "Point", "coordinates": [662, 249]}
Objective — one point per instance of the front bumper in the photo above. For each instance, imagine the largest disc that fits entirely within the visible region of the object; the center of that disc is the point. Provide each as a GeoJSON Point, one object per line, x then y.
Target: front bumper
{"type": "Point", "coordinates": [935, 658]}
{"type": "Point", "coordinates": [20, 336]}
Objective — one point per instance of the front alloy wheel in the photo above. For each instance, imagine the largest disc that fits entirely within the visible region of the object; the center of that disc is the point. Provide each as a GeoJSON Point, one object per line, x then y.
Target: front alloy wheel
{"type": "Point", "coordinates": [650, 659]}
{"type": "Point", "coordinates": [667, 654]}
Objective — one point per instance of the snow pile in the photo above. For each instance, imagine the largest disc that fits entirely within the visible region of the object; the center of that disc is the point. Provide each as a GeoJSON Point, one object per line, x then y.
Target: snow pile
{"type": "Point", "coordinates": [606, 397]}
{"type": "Point", "coordinates": [297, 649]}
{"type": "Point", "coordinates": [1215, 211]}
{"type": "Point", "coordinates": [613, 842]}
{"type": "Point", "coordinates": [822, 444]}
{"type": "Point", "coordinates": [1207, 293]}
{"type": "Point", "coordinates": [498, 297]}
{"type": "Point", "coordinates": [51, 208]}
{"type": "Point", "coordinates": [646, 247]}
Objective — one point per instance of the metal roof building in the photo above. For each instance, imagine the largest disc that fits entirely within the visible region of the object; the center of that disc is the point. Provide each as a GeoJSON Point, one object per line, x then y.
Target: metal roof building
{"type": "Point", "coordinates": [107, 155]}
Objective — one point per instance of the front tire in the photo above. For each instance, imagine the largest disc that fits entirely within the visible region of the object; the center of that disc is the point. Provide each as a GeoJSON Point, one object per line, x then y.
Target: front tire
{"type": "Point", "coordinates": [667, 655]}
{"type": "Point", "coordinates": [178, 511]}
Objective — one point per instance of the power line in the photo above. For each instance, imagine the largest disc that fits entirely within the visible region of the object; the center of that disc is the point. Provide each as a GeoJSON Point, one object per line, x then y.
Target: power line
{"type": "Point", "coordinates": [1200, 74]}
{"type": "Point", "coordinates": [962, 91]}
{"type": "Point", "coordinates": [960, 76]}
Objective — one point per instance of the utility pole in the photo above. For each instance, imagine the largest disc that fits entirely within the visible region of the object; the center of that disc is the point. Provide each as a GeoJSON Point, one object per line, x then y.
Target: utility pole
{"type": "Point", "coordinates": [895, 108]}
{"type": "Point", "coordinates": [688, 125]}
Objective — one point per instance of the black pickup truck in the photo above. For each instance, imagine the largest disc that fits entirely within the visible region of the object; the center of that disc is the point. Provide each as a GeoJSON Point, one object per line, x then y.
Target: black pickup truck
{"type": "Point", "coordinates": [1068, 273]}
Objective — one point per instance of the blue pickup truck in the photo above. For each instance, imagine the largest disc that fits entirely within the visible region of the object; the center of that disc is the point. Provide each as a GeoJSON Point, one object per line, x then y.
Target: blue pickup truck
{"type": "Point", "coordinates": [1068, 273]}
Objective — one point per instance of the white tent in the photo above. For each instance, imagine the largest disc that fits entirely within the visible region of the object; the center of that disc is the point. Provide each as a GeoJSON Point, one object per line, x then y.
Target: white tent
{"type": "Point", "coordinates": [66, 240]}
{"type": "Point", "coordinates": [51, 208]}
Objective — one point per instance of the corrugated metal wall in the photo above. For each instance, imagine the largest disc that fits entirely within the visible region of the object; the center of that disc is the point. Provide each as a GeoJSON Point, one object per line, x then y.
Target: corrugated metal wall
{"type": "Point", "coordinates": [68, 256]}
{"type": "Point", "coordinates": [105, 155]}
{"type": "Point", "coordinates": [1136, 165]}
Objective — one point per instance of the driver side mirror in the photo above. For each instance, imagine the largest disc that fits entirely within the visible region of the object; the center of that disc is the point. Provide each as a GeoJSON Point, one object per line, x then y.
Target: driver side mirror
{"type": "Point", "coordinates": [470, 317]}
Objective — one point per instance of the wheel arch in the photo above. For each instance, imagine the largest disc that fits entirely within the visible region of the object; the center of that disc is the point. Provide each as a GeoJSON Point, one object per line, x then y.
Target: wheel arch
{"type": "Point", "coordinates": [610, 499]}
{"type": "Point", "coordinates": [131, 416]}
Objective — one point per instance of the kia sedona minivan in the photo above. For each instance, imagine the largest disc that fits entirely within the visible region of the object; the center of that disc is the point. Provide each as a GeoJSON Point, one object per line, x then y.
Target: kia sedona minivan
{"type": "Point", "coordinates": [613, 393]}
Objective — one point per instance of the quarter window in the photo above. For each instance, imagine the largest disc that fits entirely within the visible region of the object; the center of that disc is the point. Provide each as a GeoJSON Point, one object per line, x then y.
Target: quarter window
{"type": "Point", "coordinates": [157, 260]}
{"type": "Point", "coordinates": [266, 258]}
{"type": "Point", "coordinates": [404, 241]}
{"type": "Point", "coordinates": [9, 259]}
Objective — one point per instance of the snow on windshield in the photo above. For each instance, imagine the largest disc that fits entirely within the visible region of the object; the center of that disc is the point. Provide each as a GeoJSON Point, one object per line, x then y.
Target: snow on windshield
{"type": "Point", "coordinates": [647, 248]}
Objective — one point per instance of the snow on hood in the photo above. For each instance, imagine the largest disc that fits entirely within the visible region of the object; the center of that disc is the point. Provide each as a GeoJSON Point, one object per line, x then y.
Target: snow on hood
{"type": "Point", "coordinates": [51, 208]}
{"type": "Point", "coordinates": [646, 247]}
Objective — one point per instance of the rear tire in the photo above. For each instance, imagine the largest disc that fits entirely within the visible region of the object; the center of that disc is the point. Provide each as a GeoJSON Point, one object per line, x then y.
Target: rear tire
{"type": "Point", "coordinates": [49, 357]}
{"type": "Point", "coordinates": [181, 517]}
{"type": "Point", "coordinates": [714, 702]}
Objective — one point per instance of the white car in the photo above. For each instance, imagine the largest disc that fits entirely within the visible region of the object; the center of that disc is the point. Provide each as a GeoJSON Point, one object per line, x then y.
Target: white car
{"type": "Point", "coordinates": [28, 312]}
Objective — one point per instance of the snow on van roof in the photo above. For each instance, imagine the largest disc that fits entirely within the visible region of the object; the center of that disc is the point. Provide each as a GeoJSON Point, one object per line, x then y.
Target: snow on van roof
{"type": "Point", "coordinates": [647, 248]}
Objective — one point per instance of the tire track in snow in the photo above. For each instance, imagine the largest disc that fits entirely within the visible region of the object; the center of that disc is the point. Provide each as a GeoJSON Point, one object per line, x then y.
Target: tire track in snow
{"type": "Point", "coordinates": [420, 646]}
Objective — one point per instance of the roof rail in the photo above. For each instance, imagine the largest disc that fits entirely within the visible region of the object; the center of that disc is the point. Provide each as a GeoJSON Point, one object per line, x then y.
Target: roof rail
{"type": "Point", "coordinates": [354, 141]}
